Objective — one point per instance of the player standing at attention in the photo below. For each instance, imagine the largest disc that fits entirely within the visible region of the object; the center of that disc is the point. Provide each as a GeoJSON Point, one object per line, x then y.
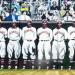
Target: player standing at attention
{"type": "Point", "coordinates": [14, 35]}
{"type": "Point", "coordinates": [71, 43]}
{"type": "Point", "coordinates": [45, 37]}
{"type": "Point", "coordinates": [29, 37]}
{"type": "Point", "coordinates": [3, 35]}
{"type": "Point", "coordinates": [59, 47]}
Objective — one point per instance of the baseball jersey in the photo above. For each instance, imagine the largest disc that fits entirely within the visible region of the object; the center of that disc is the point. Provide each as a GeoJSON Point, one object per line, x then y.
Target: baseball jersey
{"type": "Point", "coordinates": [71, 32]}
{"type": "Point", "coordinates": [29, 33]}
{"type": "Point", "coordinates": [3, 34]}
{"type": "Point", "coordinates": [59, 34]}
{"type": "Point", "coordinates": [44, 34]}
{"type": "Point", "coordinates": [14, 34]}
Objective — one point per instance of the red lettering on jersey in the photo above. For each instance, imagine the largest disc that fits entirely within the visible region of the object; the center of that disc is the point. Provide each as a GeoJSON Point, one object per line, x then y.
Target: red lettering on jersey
{"type": "Point", "coordinates": [72, 32]}
{"type": "Point", "coordinates": [14, 32]}
{"type": "Point", "coordinates": [59, 33]}
{"type": "Point", "coordinates": [2, 32]}
{"type": "Point", "coordinates": [28, 30]}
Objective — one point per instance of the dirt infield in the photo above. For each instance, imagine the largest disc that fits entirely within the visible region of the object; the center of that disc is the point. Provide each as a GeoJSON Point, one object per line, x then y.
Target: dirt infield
{"type": "Point", "coordinates": [37, 72]}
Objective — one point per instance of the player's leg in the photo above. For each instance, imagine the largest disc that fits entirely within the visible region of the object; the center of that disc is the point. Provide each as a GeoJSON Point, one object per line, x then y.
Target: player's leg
{"type": "Point", "coordinates": [10, 51]}
{"type": "Point", "coordinates": [40, 50]}
{"type": "Point", "coordinates": [47, 49]}
{"type": "Point", "coordinates": [24, 52]}
{"type": "Point", "coordinates": [31, 47]}
{"type": "Point", "coordinates": [25, 49]}
{"type": "Point", "coordinates": [62, 50]}
{"type": "Point", "coordinates": [71, 49]}
{"type": "Point", "coordinates": [17, 51]}
{"type": "Point", "coordinates": [54, 50]}
{"type": "Point", "coordinates": [40, 53]}
{"type": "Point", "coordinates": [3, 52]}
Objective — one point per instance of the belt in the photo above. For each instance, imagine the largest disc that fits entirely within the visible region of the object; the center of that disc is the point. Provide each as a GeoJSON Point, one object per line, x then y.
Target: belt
{"type": "Point", "coordinates": [44, 40]}
{"type": "Point", "coordinates": [72, 39]}
{"type": "Point", "coordinates": [29, 40]}
{"type": "Point", "coordinates": [2, 41]}
{"type": "Point", "coordinates": [13, 40]}
{"type": "Point", "coordinates": [59, 41]}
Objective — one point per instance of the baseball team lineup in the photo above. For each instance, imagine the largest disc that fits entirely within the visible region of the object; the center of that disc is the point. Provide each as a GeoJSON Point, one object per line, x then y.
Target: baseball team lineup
{"type": "Point", "coordinates": [51, 42]}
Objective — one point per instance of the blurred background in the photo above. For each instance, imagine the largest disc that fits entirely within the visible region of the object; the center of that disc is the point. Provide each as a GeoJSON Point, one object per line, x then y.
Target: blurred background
{"type": "Point", "coordinates": [39, 9]}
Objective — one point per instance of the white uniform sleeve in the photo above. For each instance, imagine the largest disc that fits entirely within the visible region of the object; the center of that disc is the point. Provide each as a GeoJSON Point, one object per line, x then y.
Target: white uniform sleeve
{"type": "Point", "coordinates": [8, 33]}
{"type": "Point", "coordinates": [5, 33]}
{"type": "Point", "coordinates": [35, 35]}
{"type": "Point", "coordinates": [39, 31]}
{"type": "Point", "coordinates": [66, 34]}
{"type": "Point", "coordinates": [22, 33]}
{"type": "Point", "coordinates": [51, 35]}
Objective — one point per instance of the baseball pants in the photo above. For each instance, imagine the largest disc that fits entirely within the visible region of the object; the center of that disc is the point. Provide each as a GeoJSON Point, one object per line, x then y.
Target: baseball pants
{"type": "Point", "coordinates": [28, 46]}
{"type": "Point", "coordinates": [44, 46]}
{"type": "Point", "coordinates": [14, 46]}
{"type": "Point", "coordinates": [2, 49]}
{"type": "Point", "coordinates": [58, 49]}
{"type": "Point", "coordinates": [71, 45]}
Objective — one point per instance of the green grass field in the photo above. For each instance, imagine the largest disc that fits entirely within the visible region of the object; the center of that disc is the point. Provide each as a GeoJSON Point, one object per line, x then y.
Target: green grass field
{"type": "Point", "coordinates": [37, 72]}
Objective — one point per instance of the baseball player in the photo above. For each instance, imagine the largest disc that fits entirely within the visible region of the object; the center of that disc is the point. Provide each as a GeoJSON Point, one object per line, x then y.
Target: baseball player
{"type": "Point", "coordinates": [71, 43]}
{"type": "Point", "coordinates": [14, 35]}
{"type": "Point", "coordinates": [45, 37]}
{"type": "Point", "coordinates": [29, 36]}
{"type": "Point", "coordinates": [3, 35]}
{"type": "Point", "coordinates": [59, 47]}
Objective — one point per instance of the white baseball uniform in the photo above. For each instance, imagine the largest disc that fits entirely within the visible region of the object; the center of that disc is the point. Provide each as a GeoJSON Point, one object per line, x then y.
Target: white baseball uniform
{"type": "Point", "coordinates": [14, 35]}
{"type": "Point", "coordinates": [3, 35]}
{"type": "Point", "coordinates": [59, 47]}
{"type": "Point", "coordinates": [71, 43]}
{"type": "Point", "coordinates": [45, 37]}
{"type": "Point", "coordinates": [29, 36]}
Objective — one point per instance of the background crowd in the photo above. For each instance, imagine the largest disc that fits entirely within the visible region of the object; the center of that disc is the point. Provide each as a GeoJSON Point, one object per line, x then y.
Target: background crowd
{"type": "Point", "coordinates": [52, 10]}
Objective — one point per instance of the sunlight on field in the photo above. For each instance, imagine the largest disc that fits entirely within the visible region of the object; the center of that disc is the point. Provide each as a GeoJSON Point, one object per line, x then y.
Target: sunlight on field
{"type": "Point", "coordinates": [37, 72]}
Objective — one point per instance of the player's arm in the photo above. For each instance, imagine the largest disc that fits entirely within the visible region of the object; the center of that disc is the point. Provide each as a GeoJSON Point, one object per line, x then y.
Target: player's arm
{"type": "Point", "coordinates": [22, 33]}
{"type": "Point", "coordinates": [6, 34]}
{"type": "Point", "coordinates": [66, 36]}
{"type": "Point", "coordinates": [38, 32]}
{"type": "Point", "coordinates": [51, 35]}
{"type": "Point", "coordinates": [68, 33]}
{"type": "Point", "coordinates": [35, 35]}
